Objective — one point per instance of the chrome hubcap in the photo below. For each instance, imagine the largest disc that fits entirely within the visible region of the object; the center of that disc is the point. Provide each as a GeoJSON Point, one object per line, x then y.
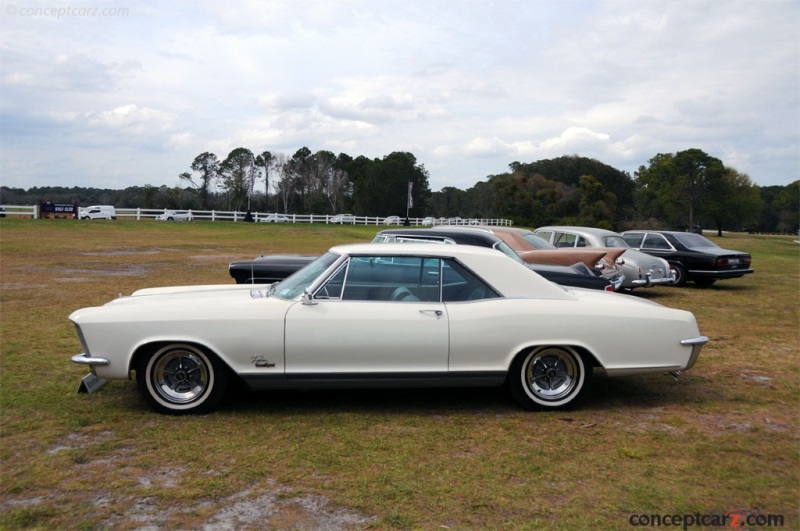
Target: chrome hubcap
{"type": "Point", "coordinates": [180, 376]}
{"type": "Point", "coordinates": [551, 374]}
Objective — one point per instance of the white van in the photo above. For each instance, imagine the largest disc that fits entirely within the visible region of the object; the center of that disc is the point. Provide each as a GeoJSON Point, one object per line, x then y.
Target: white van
{"type": "Point", "coordinates": [98, 212]}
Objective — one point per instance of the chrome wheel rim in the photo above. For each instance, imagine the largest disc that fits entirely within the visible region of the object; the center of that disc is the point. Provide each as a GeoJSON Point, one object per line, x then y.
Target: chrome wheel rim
{"type": "Point", "coordinates": [551, 374]}
{"type": "Point", "coordinates": [180, 376]}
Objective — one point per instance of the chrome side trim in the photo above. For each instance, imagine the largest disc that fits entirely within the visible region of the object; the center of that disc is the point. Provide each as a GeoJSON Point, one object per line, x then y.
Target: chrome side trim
{"type": "Point", "coordinates": [83, 359]}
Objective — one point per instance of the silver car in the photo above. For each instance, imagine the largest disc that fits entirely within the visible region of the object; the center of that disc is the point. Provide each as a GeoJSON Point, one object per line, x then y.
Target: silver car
{"type": "Point", "coordinates": [175, 215]}
{"type": "Point", "coordinates": [640, 269]}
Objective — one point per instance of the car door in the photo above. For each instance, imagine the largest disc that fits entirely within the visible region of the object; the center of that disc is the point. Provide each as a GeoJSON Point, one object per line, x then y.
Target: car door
{"type": "Point", "coordinates": [657, 245]}
{"type": "Point", "coordinates": [374, 315]}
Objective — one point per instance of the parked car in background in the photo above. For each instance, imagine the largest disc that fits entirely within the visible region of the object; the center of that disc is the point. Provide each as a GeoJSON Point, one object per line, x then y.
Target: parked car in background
{"type": "Point", "coordinates": [268, 268]}
{"type": "Point", "coordinates": [534, 250]}
{"type": "Point", "coordinates": [575, 274]}
{"type": "Point", "coordinates": [393, 220]}
{"type": "Point", "coordinates": [693, 257]}
{"type": "Point", "coordinates": [98, 212]}
{"type": "Point", "coordinates": [406, 315]}
{"type": "Point", "coordinates": [275, 218]}
{"type": "Point", "coordinates": [343, 218]}
{"type": "Point", "coordinates": [175, 215]}
{"type": "Point", "coordinates": [640, 269]}
{"type": "Point", "coordinates": [429, 221]}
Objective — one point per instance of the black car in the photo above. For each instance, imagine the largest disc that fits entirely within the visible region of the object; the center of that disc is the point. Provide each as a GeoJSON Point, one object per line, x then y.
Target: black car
{"type": "Point", "coordinates": [692, 256]}
{"type": "Point", "coordinates": [268, 268]}
{"type": "Point", "coordinates": [272, 268]}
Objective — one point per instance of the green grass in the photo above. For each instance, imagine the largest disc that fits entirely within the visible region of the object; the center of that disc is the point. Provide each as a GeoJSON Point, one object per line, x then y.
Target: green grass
{"type": "Point", "coordinates": [723, 438]}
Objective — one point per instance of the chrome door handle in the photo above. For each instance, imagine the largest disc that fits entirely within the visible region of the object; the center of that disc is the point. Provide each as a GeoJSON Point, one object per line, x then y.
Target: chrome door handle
{"type": "Point", "coordinates": [437, 313]}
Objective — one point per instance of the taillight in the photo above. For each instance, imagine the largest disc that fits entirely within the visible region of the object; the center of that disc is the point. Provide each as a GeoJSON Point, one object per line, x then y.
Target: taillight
{"type": "Point", "coordinates": [610, 287]}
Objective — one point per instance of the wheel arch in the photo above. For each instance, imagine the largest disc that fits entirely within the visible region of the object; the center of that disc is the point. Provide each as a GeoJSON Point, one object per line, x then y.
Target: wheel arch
{"type": "Point", "coordinates": [581, 348]}
{"type": "Point", "coordinates": [153, 345]}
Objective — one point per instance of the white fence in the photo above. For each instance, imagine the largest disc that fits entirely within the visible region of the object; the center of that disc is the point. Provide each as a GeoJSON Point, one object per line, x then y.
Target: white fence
{"type": "Point", "coordinates": [20, 210]}
{"type": "Point", "coordinates": [236, 216]}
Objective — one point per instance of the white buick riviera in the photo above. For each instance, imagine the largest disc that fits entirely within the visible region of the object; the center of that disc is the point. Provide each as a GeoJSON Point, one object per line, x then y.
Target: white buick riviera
{"type": "Point", "coordinates": [378, 315]}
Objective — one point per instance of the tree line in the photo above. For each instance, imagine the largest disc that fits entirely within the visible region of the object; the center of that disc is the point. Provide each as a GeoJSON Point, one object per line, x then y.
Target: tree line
{"type": "Point", "coordinates": [672, 191]}
{"type": "Point", "coordinates": [307, 182]}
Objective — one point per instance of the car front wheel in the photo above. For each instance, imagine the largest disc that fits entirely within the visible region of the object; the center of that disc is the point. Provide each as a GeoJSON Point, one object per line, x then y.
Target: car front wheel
{"type": "Point", "coordinates": [181, 378]}
{"type": "Point", "coordinates": [548, 378]}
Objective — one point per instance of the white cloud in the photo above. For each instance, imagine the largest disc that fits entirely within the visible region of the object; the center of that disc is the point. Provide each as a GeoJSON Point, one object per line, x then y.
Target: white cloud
{"type": "Point", "coordinates": [468, 87]}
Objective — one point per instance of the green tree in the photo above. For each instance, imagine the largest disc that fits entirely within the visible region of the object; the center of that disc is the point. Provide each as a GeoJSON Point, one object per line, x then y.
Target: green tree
{"type": "Point", "coordinates": [303, 177]}
{"type": "Point", "coordinates": [237, 177]}
{"type": "Point", "coordinates": [207, 165]}
{"type": "Point", "coordinates": [596, 205]}
{"type": "Point", "coordinates": [734, 202]}
{"type": "Point", "coordinates": [381, 185]}
{"type": "Point", "coordinates": [787, 206]}
{"type": "Point", "coordinates": [678, 186]}
{"type": "Point", "coordinates": [265, 161]}
{"type": "Point", "coordinates": [512, 198]}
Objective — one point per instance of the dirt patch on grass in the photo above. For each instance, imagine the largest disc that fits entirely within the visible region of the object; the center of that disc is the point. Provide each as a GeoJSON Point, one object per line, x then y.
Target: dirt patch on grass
{"type": "Point", "coordinates": [264, 505]}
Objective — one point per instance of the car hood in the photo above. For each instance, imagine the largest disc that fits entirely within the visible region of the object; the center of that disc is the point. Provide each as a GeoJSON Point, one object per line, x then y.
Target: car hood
{"type": "Point", "coordinates": [178, 300]}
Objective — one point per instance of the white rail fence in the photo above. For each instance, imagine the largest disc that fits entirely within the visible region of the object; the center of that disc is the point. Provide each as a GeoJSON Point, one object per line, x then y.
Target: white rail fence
{"type": "Point", "coordinates": [236, 216]}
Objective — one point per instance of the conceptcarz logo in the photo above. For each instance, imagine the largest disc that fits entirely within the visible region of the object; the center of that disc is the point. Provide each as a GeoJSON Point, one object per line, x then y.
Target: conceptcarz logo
{"type": "Point", "coordinates": [731, 520]}
{"type": "Point", "coordinates": [66, 12]}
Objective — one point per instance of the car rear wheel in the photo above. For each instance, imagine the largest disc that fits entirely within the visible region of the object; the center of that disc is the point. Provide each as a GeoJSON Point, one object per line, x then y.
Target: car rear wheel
{"type": "Point", "coordinates": [548, 378]}
{"type": "Point", "coordinates": [680, 274]}
{"type": "Point", "coordinates": [180, 378]}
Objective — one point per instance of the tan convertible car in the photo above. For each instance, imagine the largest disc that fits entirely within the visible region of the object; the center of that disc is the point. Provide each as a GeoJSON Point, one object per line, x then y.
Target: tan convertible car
{"type": "Point", "coordinates": [535, 250]}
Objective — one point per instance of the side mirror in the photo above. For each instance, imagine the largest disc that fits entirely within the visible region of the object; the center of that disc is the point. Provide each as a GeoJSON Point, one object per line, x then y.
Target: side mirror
{"type": "Point", "coordinates": [308, 298]}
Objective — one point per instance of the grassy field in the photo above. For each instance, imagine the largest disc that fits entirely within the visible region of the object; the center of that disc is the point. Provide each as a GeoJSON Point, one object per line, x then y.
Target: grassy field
{"type": "Point", "coordinates": [721, 440]}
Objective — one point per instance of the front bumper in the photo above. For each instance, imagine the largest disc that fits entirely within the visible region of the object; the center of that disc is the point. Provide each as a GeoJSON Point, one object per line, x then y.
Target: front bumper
{"type": "Point", "coordinates": [91, 382]}
{"type": "Point", "coordinates": [84, 359]}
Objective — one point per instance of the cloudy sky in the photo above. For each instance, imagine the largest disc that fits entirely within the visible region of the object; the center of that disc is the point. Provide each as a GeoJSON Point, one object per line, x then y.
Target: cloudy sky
{"type": "Point", "coordinates": [113, 95]}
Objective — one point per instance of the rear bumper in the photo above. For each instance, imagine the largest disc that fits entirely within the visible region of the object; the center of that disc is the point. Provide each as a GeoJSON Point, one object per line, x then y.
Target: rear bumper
{"type": "Point", "coordinates": [648, 280]}
{"type": "Point", "coordinates": [697, 344]}
{"type": "Point", "coordinates": [730, 273]}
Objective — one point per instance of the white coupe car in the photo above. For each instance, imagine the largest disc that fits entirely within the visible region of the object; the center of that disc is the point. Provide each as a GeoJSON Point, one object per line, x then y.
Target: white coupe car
{"type": "Point", "coordinates": [377, 315]}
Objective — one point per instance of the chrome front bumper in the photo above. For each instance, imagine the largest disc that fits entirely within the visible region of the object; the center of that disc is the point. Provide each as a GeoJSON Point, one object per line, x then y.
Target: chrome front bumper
{"type": "Point", "coordinates": [84, 359]}
{"type": "Point", "coordinates": [91, 382]}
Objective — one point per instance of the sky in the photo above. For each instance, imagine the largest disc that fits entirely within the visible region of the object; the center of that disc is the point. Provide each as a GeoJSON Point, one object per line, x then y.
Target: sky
{"type": "Point", "coordinates": [118, 94]}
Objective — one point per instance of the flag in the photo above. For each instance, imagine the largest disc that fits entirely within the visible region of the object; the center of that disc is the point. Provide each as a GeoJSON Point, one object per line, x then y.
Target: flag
{"type": "Point", "coordinates": [410, 203]}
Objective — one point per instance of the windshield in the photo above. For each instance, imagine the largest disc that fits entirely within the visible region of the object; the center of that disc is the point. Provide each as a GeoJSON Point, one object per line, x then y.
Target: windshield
{"type": "Point", "coordinates": [508, 251]}
{"type": "Point", "coordinates": [694, 241]}
{"type": "Point", "coordinates": [538, 242]}
{"type": "Point", "coordinates": [295, 284]}
{"type": "Point", "coordinates": [615, 241]}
